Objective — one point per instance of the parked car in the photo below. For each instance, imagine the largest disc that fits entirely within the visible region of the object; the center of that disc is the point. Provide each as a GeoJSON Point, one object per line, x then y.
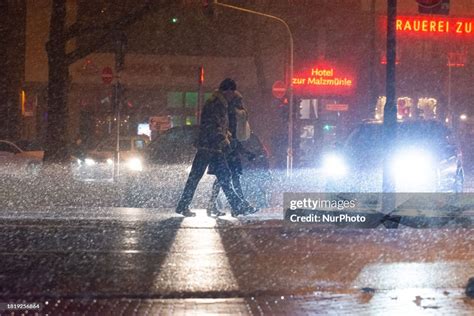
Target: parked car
{"type": "Point", "coordinates": [425, 159]}
{"type": "Point", "coordinates": [171, 155]}
{"type": "Point", "coordinates": [32, 147]}
{"type": "Point", "coordinates": [17, 162]}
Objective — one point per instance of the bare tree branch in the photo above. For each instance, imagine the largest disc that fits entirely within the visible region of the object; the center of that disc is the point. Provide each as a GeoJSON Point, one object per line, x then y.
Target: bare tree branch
{"type": "Point", "coordinates": [85, 50]}
{"type": "Point", "coordinates": [80, 28]}
{"type": "Point", "coordinates": [108, 28]}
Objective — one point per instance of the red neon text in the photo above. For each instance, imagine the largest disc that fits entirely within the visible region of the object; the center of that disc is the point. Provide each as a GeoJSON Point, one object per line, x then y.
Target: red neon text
{"type": "Point", "coordinates": [434, 25]}
{"type": "Point", "coordinates": [323, 81]}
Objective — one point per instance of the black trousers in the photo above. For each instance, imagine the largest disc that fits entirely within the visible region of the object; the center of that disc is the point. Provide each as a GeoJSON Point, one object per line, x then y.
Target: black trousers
{"type": "Point", "coordinates": [216, 187]}
{"type": "Point", "coordinates": [221, 169]}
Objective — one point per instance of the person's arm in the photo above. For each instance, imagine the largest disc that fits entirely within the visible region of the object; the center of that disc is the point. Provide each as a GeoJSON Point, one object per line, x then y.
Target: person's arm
{"type": "Point", "coordinates": [214, 125]}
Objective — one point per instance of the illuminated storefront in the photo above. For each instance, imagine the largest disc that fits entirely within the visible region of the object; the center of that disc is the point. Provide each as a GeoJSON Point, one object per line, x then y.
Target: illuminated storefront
{"type": "Point", "coordinates": [326, 92]}
{"type": "Point", "coordinates": [432, 64]}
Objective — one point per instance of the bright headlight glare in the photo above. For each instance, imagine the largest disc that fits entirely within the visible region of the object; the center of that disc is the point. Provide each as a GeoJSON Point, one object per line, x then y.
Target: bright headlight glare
{"type": "Point", "coordinates": [110, 161]}
{"type": "Point", "coordinates": [135, 164]}
{"type": "Point", "coordinates": [334, 165]}
{"type": "Point", "coordinates": [89, 162]}
{"type": "Point", "coordinates": [413, 170]}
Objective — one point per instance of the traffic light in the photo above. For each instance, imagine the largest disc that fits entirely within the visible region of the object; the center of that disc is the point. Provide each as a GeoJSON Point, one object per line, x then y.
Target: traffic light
{"type": "Point", "coordinates": [117, 93]}
{"type": "Point", "coordinates": [328, 128]}
{"type": "Point", "coordinates": [174, 20]}
{"type": "Point", "coordinates": [201, 75]}
{"type": "Point", "coordinates": [283, 108]}
{"type": "Point", "coordinates": [120, 49]}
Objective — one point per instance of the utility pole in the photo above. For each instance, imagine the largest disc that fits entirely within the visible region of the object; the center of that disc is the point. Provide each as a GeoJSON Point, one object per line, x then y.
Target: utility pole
{"type": "Point", "coordinates": [200, 94]}
{"type": "Point", "coordinates": [289, 159]}
{"type": "Point", "coordinates": [390, 110]}
{"type": "Point", "coordinates": [120, 46]}
{"type": "Point", "coordinates": [450, 110]}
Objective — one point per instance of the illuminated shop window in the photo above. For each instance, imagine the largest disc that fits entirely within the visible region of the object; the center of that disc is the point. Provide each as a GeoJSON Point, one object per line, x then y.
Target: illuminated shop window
{"type": "Point", "coordinates": [182, 99]}
{"type": "Point", "coordinates": [191, 99]}
{"type": "Point", "coordinates": [406, 109]}
{"type": "Point", "coordinates": [191, 120]}
{"type": "Point", "coordinates": [427, 107]}
{"type": "Point", "coordinates": [175, 99]}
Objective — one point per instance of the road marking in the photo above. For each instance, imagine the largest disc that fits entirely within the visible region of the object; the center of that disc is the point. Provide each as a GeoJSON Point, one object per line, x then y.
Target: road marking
{"type": "Point", "coordinates": [198, 259]}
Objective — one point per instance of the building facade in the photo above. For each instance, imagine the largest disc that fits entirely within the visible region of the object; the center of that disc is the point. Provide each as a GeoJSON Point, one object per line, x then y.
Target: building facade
{"type": "Point", "coordinates": [339, 66]}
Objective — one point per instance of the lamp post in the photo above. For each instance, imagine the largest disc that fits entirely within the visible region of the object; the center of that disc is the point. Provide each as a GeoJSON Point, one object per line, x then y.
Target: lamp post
{"type": "Point", "coordinates": [120, 46]}
{"type": "Point", "coordinates": [289, 159]}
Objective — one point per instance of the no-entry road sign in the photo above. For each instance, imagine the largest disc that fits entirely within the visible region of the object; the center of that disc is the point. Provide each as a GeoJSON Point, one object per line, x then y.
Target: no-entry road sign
{"type": "Point", "coordinates": [107, 75]}
{"type": "Point", "coordinates": [279, 89]}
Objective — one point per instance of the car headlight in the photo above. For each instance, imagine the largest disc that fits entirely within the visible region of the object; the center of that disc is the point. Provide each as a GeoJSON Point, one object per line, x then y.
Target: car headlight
{"type": "Point", "coordinates": [414, 170]}
{"type": "Point", "coordinates": [334, 165]}
{"type": "Point", "coordinates": [89, 161]}
{"type": "Point", "coordinates": [134, 164]}
{"type": "Point", "coordinates": [110, 161]}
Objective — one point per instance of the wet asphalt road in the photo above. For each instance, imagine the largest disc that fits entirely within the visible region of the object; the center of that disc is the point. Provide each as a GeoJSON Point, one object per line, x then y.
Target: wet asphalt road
{"type": "Point", "coordinates": [118, 256]}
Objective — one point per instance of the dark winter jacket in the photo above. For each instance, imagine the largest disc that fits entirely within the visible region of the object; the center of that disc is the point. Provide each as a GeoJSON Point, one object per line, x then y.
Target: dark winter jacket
{"type": "Point", "coordinates": [214, 130]}
{"type": "Point", "coordinates": [233, 155]}
{"type": "Point", "coordinates": [236, 103]}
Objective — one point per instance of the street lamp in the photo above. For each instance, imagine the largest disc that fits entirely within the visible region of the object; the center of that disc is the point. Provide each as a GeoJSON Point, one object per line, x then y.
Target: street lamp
{"type": "Point", "coordinates": [289, 159]}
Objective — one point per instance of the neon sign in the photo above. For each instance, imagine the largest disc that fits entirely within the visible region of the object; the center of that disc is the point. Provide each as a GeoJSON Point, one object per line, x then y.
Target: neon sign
{"type": "Point", "coordinates": [323, 80]}
{"type": "Point", "coordinates": [427, 25]}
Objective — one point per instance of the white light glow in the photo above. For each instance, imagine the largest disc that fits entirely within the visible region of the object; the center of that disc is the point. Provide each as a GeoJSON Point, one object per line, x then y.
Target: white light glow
{"type": "Point", "coordinates": [414, 171]}
{"type": "Point", "coordinates": [89, 162]}
{"type": "Point", "coordinates": [135, 164]}
{"type": "Point", "coordinates": [334, 165]}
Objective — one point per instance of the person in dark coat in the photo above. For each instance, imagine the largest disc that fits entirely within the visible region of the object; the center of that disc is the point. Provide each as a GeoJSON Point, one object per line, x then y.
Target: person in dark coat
{"type": "Point", "coordinates": [233, 156]}
{"type": "Point", "coordinates": [214, 142]}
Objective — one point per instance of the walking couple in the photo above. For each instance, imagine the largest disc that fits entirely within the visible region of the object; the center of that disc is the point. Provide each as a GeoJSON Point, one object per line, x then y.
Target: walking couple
{"type": "Point", "coordinates": [219, 150]}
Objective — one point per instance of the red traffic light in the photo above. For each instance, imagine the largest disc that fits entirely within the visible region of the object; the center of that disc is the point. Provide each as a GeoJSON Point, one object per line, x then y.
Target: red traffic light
{"type": "Point", "coordinates": [201, 75]}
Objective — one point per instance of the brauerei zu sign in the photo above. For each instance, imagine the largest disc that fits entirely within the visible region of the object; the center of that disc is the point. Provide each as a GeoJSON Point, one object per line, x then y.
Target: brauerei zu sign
{"type": "Point", "coordinates": [431, 25]}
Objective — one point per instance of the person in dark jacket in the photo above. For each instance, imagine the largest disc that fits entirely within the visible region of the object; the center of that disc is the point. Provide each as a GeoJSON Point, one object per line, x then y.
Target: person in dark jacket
{"type": "Point", "coordinates": [214, 142]}
{"type": "Point", "coordinates": [233, 157]}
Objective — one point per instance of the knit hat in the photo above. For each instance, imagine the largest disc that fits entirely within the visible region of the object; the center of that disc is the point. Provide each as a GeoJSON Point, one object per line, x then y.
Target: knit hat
{"type": "Point", "coordinates": [228, 84]}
